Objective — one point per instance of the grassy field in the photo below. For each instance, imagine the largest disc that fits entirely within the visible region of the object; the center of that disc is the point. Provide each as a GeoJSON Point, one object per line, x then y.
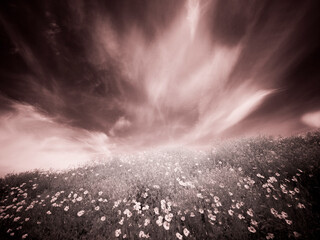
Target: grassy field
{"type": "Point", "coordinates": [258, 188]}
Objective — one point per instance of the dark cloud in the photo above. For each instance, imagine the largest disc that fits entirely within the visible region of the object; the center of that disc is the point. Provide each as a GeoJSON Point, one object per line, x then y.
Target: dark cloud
{"type": "Point", "coordinates": [229, 20]}
{"type": "Point", "coordinates": [282, 46]}
{"type": "Point", "coordinates": [45, 59]}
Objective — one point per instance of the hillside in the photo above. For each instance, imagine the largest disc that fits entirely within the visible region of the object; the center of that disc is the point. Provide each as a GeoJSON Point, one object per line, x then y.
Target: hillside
{"type": "Point", "coordinates": [257, 188]}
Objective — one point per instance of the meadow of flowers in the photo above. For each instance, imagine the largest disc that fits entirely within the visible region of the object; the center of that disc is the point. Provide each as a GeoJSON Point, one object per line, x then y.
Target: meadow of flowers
{"type": "Point", "coordinates": [258, 188]}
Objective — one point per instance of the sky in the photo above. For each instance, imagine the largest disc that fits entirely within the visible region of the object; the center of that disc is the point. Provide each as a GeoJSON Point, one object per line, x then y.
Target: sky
{"type": "Point", "coordinates": [80, 79]}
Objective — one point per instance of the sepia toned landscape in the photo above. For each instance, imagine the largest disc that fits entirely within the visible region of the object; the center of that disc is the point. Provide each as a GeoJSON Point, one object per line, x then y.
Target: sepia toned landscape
{"type": "Point", "coordinates": [159, 119]}
{"type": "Point", "coordinates": [256, 188]}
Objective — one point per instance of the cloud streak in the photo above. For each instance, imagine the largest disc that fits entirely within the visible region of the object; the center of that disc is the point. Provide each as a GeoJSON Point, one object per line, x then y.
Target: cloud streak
{"type": "Point", "coordinates": [183, 77]}
{"type": "Point", "coordinates": [29, 140]}
{"type": "Point", "coordinates": [128, 75]}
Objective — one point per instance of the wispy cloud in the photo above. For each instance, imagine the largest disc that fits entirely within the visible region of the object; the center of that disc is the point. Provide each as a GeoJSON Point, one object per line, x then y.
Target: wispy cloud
{"type": "Point", "coordinates": [29, 140]}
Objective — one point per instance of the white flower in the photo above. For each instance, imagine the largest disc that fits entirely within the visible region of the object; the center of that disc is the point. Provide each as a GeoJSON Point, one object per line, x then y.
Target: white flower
{"type": "Point", "coordinates": [16, 219]}
{"type": "Point", "coordinates": [179, 236]}
{"type": "Point", "coordinates": [103, 218]}
{"type": "Point", "coordinates": [26, 219]}
{"type": "Point", "coordinates": [250, 212]}
{"type": "Point", "coordinates": [146, 222]}
{"type": "Point", "coordinates": [251, 229]}
{"type": "Point", "coordinates": [199, 195]}
{"type": "Point", "coordinates": [49, 212]}
{"type": "Point", "coordinates": [186, 232]}
{"type": "Point", "coordinates": [24, 236]}
{"type": "Point", "coordinates": [168, 217]}
{"type": "Point", "coordinates": [19, 209]}
{"type": "Point", "coordinates": [127, 212]}
{"type": "Point", "coordinates": [270, 236]}
{"type": "Point", "coordinates": [166, 225]}
{"type": "Point", "coordinates": [254, 223]}
{"type": "Point", "coordinates": [183, 218]}
{"type": "Point", "coordinates": [100, 193]}
{"type": "Point", "coordinates": [137, 206]}
{"type": "Point", "coordinates": [300, 205]}
{"type": "Point", "coordinates": [116, 203]}
{"type": "Point", "coordinates": [97, 208]}
{"type": "Point", "coordinates": [156, 210]}
{"type": "Point", "coordinates": [159, 221]}
{"type": "Point", "coordinates": [80, 213]}
{"type": "Point", "coordinates": [66, 208]}
{"type": "Point", "coordinates": [289, 222]}
{"type": "Point", "coordinates": [212, 217]}
{"type": "Point", "coordinates": [273, 211]}
{"type": "Point", "coordinates": [296, 190]}
{"type": "Point", "coordinates": [85, 192]}
{"type": "Point", "coordinates": [79, 199]}
{"type": "Point", "coordinates": [240, 216]}
{"type": "Point", "coordinates": [284, 214]}
{"type": "Point", "coordinates": [117, 232]}
{"type": "Point", "coordinates": [143, 235]}
{"type": "Point", "coordinates": [230, 212]}
{"type": "Point", "coordinates": [121, 221]}
{"type": "Point", "coordinates": [272, 180]}
{"type": "Point", "coordinates": [146, 207]}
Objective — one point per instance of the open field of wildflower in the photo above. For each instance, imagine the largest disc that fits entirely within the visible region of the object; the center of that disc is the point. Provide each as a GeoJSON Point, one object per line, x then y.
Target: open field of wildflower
{"type": "Point", "coordinates": [258, 188]}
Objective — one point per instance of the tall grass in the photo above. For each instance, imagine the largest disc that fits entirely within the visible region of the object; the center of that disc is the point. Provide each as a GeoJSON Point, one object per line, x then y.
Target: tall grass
{"type": "Point", "coordinates": [257, 188]}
